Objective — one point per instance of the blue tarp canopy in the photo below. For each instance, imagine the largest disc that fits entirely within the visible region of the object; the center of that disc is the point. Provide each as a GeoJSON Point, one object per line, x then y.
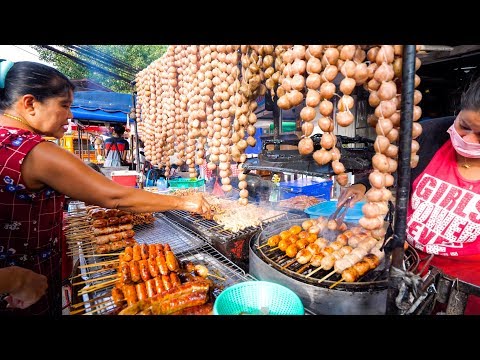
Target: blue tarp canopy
{"type": "Point", "coordinates": [101, 106]}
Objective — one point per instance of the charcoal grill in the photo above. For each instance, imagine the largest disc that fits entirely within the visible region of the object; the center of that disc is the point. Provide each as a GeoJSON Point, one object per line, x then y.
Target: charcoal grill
{"type": "Point", "coordinates": [367, 296]}
{"type": "Point", "coordinates": [234, 245]}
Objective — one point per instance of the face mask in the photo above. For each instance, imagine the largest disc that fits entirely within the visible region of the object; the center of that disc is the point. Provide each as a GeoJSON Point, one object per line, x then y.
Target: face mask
{"type": "Point", "coordinates": [466, 149]}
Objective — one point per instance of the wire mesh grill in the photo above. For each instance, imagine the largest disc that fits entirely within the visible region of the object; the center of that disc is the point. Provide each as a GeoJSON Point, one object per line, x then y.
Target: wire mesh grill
{"type": "Point", "coordinates": [210, 230]}
{"type": "Point", "coordinates": [164, 231]}
{"type": "Point", "coordinates": [186, 246]}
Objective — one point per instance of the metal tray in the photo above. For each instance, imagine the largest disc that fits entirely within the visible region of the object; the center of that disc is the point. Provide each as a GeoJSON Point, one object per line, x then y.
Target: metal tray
{"type": "Point", "coordinates": [186, 246]}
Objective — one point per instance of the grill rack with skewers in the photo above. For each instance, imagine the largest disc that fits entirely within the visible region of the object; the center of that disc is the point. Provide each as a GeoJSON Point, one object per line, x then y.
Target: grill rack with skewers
{"type": "Point", "coordinates": [234, 245]}
{"type": "Point", "coordinates": [365, 296]}
{"type": "Point", "coordinates": [186, 246]}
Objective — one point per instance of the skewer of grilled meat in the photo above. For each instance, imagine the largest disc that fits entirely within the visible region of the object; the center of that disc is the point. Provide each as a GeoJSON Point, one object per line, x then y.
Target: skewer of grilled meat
{"type": "Point", "coordinates": [368, 262]}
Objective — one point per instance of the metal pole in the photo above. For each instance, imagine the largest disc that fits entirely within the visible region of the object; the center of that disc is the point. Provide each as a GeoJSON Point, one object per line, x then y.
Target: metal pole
{"type": "Point", "coordinates": [277, 121]}
{"type": "Point", "coordinates": [403, 172]}
{"type": "Point", "coordinates": [79, 133]}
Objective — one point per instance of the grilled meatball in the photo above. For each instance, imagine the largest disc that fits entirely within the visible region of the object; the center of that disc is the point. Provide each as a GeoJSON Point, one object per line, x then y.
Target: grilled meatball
{"type": "Point", "coordinates": [273, 240]}
{"type": "Point", "coordinates": [303, 256]}
{"type": "Point", "coordinates": [350, 275]}
{"type": "Point", "coordinates": [316, 260]}
{"type": "Point", "coordinates": [291, 250]}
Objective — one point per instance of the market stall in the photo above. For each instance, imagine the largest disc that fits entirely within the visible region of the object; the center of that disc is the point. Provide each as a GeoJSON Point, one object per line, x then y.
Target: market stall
{"type": "Point", "coordinates": [198, 105]}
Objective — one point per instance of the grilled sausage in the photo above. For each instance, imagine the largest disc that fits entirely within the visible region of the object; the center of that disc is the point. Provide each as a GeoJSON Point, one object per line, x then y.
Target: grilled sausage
{"type": "Point", "coordinates": [176, 299]}
{"type": "Point", "coordinates": [112, 221]}
{"type": "Point", "coordinates": [159, 249]}
{"type": "Point", "coordinates": [111, 213]}
{"type": "Point", "coordinates": [111, 229]}
{"type": "Point", "coordinates": [136, 253]}
{"type": "Point", "coordinates": [144, 251]}
{"type": "Point", "coordinates": [141, 291]}
{"type": "Point", "coordinates": [171, 260]}
{"type": "Point", "coordinates": [144, 273]}
{"type": "Point", "coordinates": [117, 245]}
{"type": "Point", "coordinates": [128, 254]}
{"type": "Point", "coordinates": [117, 296]}
{"type": "Point", "coordinates": [152, 251]}
{"type": "Point", "coordinates": [102, 249]}
{"type": "Point", "coordinates": [130, 241]}
{"type": "Point", "coordinates": [125, 219]}
{"type": "Point", "coordinates": [130, 294]}
{"type": "Point", "coordinates": [159, 284]}
{"type": "Point", "coordinates": [174, 279]}
{"type": "Point", "coordinates": [97, 214]}
{"type": "Point", "coordinates": [161, 263]}
{"type": "Point", "coordinates": [135, 271]}
{"type": "Point", "coordinates": [100, 223]}
{"type": "Point", "coordinates": [124, 270]}
{"type": "Point", "coordinates": [152, 267]}
{"type": "Point", "coordinates": [166, 282]}
{"type": "Point", "coordinates": [103, 239]}
{"type": "Point", "coordinates": [151, 287]}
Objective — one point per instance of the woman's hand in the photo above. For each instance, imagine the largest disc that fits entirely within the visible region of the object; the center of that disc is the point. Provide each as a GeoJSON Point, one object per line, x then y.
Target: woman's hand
{"type": "Point", "coordinates": [27, 287]}
{"type": "Point", "coordinates": [196, 203]}
{"type": "Point", "coordinates": [356, 192]}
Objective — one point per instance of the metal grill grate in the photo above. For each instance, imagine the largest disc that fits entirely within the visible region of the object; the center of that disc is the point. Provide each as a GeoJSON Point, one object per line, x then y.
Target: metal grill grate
{"type": "Point", "coordinates": [279, 260]}
{"type": "Point", "coordinates": [163, 231]}
{"type": "Point", "coordinates": [211, 230]}
{"type": "Point", "coordinates": [186, 246]}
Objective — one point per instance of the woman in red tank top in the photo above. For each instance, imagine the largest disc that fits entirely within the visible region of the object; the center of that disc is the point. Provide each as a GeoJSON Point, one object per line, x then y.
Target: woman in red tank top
{"type": "Point", "coordinates": [35, 100]}
{"type": "Point", "coordinates": [443, 215]}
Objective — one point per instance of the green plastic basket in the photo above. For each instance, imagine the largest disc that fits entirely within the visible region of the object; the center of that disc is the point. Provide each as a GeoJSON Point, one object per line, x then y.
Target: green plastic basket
{"type": "Point", "coordinates": [182, 183]}
{"type": "Point", "coordinates": [258, 298]}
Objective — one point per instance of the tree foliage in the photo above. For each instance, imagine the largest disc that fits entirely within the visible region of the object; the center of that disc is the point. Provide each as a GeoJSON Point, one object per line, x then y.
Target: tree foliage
{"type": "Point", "coordinates": [136, 56]}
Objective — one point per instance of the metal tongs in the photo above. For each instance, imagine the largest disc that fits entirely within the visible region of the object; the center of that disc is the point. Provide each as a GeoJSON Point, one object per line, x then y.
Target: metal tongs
{"type": "Point", "coordinates": [340, 213]}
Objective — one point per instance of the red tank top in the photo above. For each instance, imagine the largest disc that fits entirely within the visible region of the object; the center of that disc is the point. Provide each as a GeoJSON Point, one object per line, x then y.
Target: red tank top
{"type": "Point", "coordinates": [444, 211]}
{"type": "Point", "coordinates": [443, 218]}
{"type": "Point", "coordinates": [30, 221]}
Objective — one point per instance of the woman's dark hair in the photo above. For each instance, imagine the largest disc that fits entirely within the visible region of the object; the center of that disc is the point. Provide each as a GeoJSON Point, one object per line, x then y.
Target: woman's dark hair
{"type": "Point", "coordinates": [39, 80]}
{"type": "Point", "coordinates": [471, 97]}
{"type": "Point", "coordinates": [119, 129]}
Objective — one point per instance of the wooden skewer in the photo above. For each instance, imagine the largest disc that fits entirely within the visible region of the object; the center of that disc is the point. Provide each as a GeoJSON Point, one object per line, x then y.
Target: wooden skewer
{"type": "Point", "coordinates": [74, 306]}
{"type": "Point", "coordinates": [314, 271]}
{"type": "Point", "coordinates": [107, 254]}
{"type": "Point", "coordinates": [99, 264]}
{"type": "Point", "coordinates": [109, 300]}
{"type": "Point", "coordinates": [281, 257]}
{"type": "Point", "coordinates": [96, 279]}
{"type": "Point", "coordinates": [75, 312]}
{"type": "Point", "coordinates": [259, 247]}
{"type": "Point", "coordinates": [96, 287]}
{"type": "Point", "coordinates": [76, 227]}
{"type": "Point", "coordinates": [338, 282]}
{"type": "Point", "coordinates": [218, 277]}
{"type": "Point", "coordinates": [272, 249]}
{"type": "Point", "coordinates": [289, 263]}
{"type": "Point", "coordinates": [303, 268]}
{"type": "Point", "coordinates": [327, 276]}
{"type": "Point", "coordinates": [100, 308]}
{"type": "Point", "coordinates": [90, 273]}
